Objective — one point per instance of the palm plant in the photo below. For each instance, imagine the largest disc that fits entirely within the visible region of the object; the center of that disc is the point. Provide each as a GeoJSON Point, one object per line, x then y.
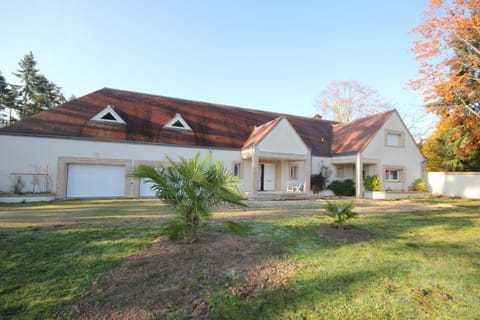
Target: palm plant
{"type": "Point", "coordinates": [340, 212]}
{"type": "Point", "coordinates": [193, 187]}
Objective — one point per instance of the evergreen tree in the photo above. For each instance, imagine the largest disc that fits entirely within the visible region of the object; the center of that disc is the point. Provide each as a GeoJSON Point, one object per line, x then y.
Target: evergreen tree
{"type": "Point", "coordinates": [36, 93]}
{"type": "Point", "coordinates": [8, 101]}
{"type": "Point", "coordinates": [3, 95]}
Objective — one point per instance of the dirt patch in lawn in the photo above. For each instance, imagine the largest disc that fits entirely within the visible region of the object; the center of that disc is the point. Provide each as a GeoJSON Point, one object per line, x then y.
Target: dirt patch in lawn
{"type": "Point", "coordinates": [176, 280]}
{"type": "Point", "coordinates": [349, 234]}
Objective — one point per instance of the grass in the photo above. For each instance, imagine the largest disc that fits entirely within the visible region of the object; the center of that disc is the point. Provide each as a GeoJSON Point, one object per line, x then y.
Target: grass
{"type": "Point", "coordinates": [422, 265]}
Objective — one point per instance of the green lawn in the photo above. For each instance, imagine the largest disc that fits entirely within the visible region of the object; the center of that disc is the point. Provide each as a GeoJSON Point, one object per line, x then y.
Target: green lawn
{"type": "Point", "coordinates": [422, 265]}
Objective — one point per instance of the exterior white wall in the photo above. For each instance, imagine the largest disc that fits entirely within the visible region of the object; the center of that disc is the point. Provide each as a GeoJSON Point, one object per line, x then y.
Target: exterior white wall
{"type": "Point", "coordinates": [320, 164]}
{"type": "Point", "coordinates": [407, 156]}
{"type": "Point", "coordinates": [283, 139]}
{"type": "Point", "coordinates": [27, 154]}
{"type": "Point", "coordinates": [454, 184]}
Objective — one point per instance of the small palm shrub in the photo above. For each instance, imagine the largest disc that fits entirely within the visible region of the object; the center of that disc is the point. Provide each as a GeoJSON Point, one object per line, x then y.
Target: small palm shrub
{"type": "Point", "coordinates": [418, 185]}
{"type": "Point", "coordinates": [340, 211]}
{"type": "Point", "coordinates": [193, 187]}
{"type": "Point", "coordinates": [342, 187]}
{"type": "Point", "coordinates": [372, 183]}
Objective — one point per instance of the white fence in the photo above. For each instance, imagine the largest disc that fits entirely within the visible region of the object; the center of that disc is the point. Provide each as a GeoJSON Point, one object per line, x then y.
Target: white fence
{"type": "Point", "coordinates": [455, 184]}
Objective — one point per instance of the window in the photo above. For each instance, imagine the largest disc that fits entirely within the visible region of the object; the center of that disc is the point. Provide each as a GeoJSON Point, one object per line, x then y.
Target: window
{"type": "Point", "coordinates": [178, 123]}
{"type": "Point", "coordinates": [392, 175]}
{"type": "Point", "coordinates": [394, 139]}
{"type": "Point", "coordinates": [340, 173]}
{"type": "Point", "coordinates": [237, 169]}
{"type": "Point", "coordinates": [108, 115]}
{"type": "Point", "coordinates": [293, 172]}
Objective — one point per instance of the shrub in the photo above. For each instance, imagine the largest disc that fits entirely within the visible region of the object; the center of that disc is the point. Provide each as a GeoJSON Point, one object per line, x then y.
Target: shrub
{"type": "Point", "coordinates": [372, 183]}
{"type": "Point", "coordinates": [418, 185]}
{"type": "Point", "coordinates": [318, 182]}
{"type": "Point", "coordinates": [193, 187]}
{"type": "Point", "coordinates": [340, 212]}
{"type": "Point", "coordinates": [18, 185]}
{"type": "Point", "coordinates": [342, 187]}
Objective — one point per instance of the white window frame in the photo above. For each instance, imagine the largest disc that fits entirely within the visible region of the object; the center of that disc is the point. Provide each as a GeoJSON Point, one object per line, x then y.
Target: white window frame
{"type": "Point", "coordinates": [388, 175]}
{"type": "Point", "coordinates": [399, 135]}
{"type": "Point", "coordinates": [293, 171]}
{"type": "Point", "coordinates": [178, 118]}
{"type": "Point", "coordinates": [340, 171]}
{"type": "Point", "coordinates": [237, 169]}
{"type": "Point", "coordinates": [99, 117]}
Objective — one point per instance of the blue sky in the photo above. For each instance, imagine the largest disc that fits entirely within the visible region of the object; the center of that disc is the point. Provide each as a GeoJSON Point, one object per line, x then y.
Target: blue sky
{"type": "Point", "coordinates": [269, 55]}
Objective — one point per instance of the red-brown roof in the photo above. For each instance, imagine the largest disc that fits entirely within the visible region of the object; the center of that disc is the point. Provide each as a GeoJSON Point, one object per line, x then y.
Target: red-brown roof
{"type": "Point", "coordinates": [213, 125]}
{"type": "Point", "coordinates": [354, 136]}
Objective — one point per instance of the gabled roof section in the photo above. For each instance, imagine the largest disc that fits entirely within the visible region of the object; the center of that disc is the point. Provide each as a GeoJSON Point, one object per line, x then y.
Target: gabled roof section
{"type": "Point", "coordinates": [178, 123]}
{"type": "Point", "coordinates": [259, 133]}
{"type": "Point", "coordinates": [108, 115]}
{"type": "Point", "coordinates": [354, 136]}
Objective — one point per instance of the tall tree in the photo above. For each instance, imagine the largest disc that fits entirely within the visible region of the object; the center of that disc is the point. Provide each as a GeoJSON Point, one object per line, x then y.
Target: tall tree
{"type": "Point", "coordinates": [348, 100]}
{"type": "Point", "coordinates": [448, 49]}
{"type": "Point", "coordinates": [36, 93]}
{"type": "Point", "coordinates": [440, 151]}
{"type": "Point", "coordinates": [7, 101]}
{"type": "Point", "coordinates": [3, 99]}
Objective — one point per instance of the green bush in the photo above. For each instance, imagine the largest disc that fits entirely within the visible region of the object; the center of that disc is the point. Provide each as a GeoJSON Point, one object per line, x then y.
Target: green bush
{"type": "Point", "coordinates": [340, 212]}
{"type": "Point", "coordinates": [372, 183]}
{"type": "Point", "coordinates": [418, 185]}
{"type": "Point", "coordinates": [318, 182]}
{"type": "Point", "coordinates": [342, 187]}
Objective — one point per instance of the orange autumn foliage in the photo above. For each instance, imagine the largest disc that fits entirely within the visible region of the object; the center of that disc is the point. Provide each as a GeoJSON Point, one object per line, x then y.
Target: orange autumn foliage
{"type": "Point", "coordinates": [448, 50]}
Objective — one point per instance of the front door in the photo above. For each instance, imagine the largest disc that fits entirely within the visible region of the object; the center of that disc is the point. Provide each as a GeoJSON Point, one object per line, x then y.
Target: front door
{"type": "Point", "coordinates": [266, 178]}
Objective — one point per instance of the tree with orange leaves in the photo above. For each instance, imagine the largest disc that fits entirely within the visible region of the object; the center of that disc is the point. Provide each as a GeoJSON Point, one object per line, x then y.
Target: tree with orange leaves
{"type": "Point", "coordinates": [449, 75]}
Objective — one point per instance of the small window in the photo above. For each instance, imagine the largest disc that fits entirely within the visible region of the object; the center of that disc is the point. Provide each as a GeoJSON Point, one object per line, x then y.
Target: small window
{"type": "Point", "coordinates": [394, 138]}
{"type": "Point", "coordinates": [178, 123]}
{"type": "Point", "coordinates": [293, 172]}
{"type": "Point", "coordinates": [237, 170]}
{"type": "Point", "coordinates": [108, 115]}
{"type": "Point", "coordinates": [392, 175]}
{"type": "Point", "coordinates": [340, 173]}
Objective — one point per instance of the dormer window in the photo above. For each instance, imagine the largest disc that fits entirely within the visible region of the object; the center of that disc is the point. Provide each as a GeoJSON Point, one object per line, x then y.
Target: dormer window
{"type": "Point", "coordinates": [108, 115]}
{"type": "Point", "coordinates": [178, 123]}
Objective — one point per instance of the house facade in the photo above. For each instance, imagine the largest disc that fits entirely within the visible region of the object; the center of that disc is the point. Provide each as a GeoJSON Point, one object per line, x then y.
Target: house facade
{"type": "Point", "coordinates": [87, 147]}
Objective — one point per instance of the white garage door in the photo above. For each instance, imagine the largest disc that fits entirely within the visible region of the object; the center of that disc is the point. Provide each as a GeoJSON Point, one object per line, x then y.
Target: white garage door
{"type": "Point", "coordinates": [146, 188]}
{"type": "Point", "coordinates": [95, 181]}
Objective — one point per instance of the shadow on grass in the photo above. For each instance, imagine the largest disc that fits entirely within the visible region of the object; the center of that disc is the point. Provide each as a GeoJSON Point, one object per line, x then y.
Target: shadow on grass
{"type": "Point", "coordinates": [40, 271]}
{"type": "Point", "coordinates": [302, 296]}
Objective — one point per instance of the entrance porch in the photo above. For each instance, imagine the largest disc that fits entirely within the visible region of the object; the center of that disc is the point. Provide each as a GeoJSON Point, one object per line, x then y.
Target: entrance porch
{"type": "Point", "coordinates": [356, 168]}
{"type": "Point", "coordinates": [277, 175]}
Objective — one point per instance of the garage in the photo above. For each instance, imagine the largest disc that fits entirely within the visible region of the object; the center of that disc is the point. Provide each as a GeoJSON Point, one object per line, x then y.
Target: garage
{"type": "Point", "coordinates": [95, 181]}
{"type": "Point", "coordinates": [146, 189]}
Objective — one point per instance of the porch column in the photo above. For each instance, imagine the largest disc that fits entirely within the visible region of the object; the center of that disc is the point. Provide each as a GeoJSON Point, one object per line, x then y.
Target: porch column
{"type": "Point", "coordinates": [254, 182]}
{"type": "Point", "coordinates": [358, 175]}
{"type": "Point", "coordinates": [307, 172]}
